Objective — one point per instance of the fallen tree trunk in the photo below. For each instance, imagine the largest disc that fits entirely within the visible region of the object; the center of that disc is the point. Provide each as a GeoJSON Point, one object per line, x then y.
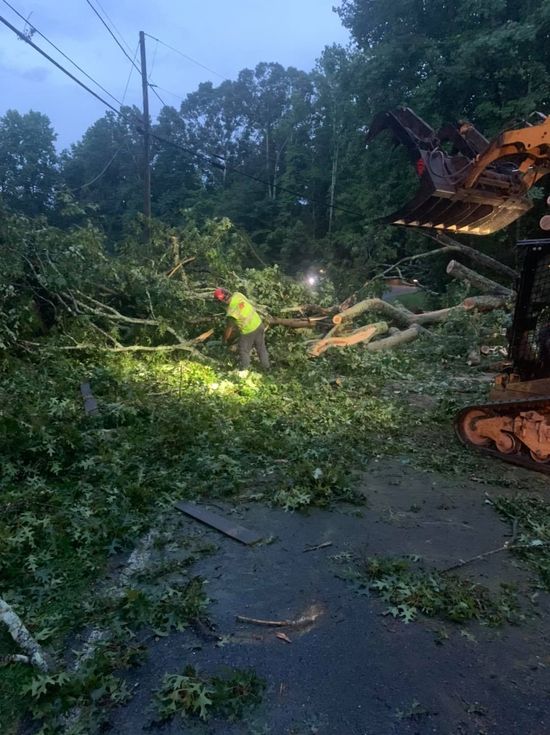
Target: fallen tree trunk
{"type": "Point", "coordinates": [364, 334]}
{"type": "Point", "coordinates": [401, 316]}
{"type": "Point", "coordinates": [486, 285]}
{"type": "Point", "coordinates": [404, 318]}
{"type": "Point", "coordinates": [401, 338]}
{"type": "Point", "coordinates": [477, 303]}
{"type": "Point", "coordinates": [481, 259]}
{"type": "Point", "coordinates": [484, 303]}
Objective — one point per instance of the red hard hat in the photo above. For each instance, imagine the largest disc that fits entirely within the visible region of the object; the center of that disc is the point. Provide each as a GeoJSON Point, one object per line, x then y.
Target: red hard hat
{"type": "Point", "coordinates": [220, 294]}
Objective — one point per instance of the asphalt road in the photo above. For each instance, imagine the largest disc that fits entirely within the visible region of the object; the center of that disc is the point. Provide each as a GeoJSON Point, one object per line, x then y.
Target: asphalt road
{"type": "Point", "coordinates": [354, 670]}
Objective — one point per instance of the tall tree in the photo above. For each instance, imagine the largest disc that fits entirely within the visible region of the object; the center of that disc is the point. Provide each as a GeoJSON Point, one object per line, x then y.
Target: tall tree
{"type": "Point", "coordinates": [105, 169]}
{"type": "Point", "coordinates": [486, 60]}
{"type": "Point", "coordinates": [28, 162]}
{"type": "Point", "coordinates": [176, 182]}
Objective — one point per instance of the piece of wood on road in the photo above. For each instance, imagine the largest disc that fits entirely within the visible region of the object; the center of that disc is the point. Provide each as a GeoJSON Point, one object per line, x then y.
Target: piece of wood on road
{"type": "Point", "coordinates": [90, 403]}
{"type": "Point", "coordinates": [239, 533]}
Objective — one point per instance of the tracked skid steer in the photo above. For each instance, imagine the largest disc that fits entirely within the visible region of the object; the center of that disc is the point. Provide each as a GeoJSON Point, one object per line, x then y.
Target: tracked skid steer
{"type": "Point", "coordinates": [474, 186]}
{"type": "Point", "coordinates": [468, 184]}
{"type": "Point", "coordinates": [515, 425]}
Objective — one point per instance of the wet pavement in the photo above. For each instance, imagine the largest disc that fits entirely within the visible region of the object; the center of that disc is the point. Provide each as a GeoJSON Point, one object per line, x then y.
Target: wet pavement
{"type": "Point", "coordinates": [352, 670]}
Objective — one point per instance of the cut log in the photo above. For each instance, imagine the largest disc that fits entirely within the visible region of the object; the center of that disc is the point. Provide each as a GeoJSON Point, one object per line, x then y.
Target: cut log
{"type": "Point", "coordinates": [448, 243]}
{"type": "Point", "coordinates": [388, 343]}
{"type": "Point", "coordinates": [404, 318]}
{"type": "Point", "coordinates": [484, 303]}
{"type": "Point", "coordinates": [364, 334]}
{"type": "Point", "coordinates": [401, 316]}
{"type": "Point", "coordinates": [477, 303]}
{"type": "Point", "coordinates": [486, 285]}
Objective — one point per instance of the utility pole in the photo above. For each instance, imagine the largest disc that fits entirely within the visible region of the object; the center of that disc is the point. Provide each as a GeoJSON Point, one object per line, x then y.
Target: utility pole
{"type": "Point", "coordinates": [146, 142]}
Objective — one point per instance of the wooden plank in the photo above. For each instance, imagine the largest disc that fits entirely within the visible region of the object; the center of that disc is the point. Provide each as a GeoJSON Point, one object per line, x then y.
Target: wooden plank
{"type": "Point", "coordinates": [90, 403]}
{"type": "Point", "coordinates": [239, 533]}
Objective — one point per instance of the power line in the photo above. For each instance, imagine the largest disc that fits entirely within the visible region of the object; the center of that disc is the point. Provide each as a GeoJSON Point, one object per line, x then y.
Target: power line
{"type": "Point", "coordinates": [80, 69]}
{"type": "Point", "coordinates": [121, 47]}
{"type": "Point", "coordinates": [208, 158]}
{"type": "Point", "coordinates": [185, 56]}
{"type": "Point", "coordinates": [23, 37]}
{"type": "Point", "coordinates": [153, 62]}
{"type": "Point", "coordinates": [163, 89]}
{"type": "Point", "coordinates": [152, 87]}
{"type": "Point", "coordinates": [129, 75]}
{"type": "Point", "coordinates": [100, 174]}
{"type": "Point", "coordinates": [106, 14]}
{"type": "Point", "coordinates": [126, 54]}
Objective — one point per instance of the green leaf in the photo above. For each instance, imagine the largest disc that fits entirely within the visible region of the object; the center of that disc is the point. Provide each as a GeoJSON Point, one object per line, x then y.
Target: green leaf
{"type": "Point", "coordinates": [203, 703]}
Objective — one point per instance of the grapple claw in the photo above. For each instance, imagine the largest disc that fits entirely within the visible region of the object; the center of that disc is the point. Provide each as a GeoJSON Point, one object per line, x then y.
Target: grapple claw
{"type": "Point", "coordinates": [477, 189]}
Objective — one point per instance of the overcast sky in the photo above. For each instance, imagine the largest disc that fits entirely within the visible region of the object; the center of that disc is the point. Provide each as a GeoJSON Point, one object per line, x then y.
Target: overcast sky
{"type": "Point", "coordinates": [223, 35]}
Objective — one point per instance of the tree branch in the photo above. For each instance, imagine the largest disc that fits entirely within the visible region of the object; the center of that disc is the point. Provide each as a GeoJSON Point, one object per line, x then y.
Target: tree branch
{"type": "Point", "coordinates": [22, 637]}
{"type": "Point", "coordinates": [108, 312]}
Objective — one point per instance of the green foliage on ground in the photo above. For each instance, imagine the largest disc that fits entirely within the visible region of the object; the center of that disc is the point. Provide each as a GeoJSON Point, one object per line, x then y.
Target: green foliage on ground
{"type": "Point", "coordinates": [230, 696]}
{"type": "Point", "coordinates": [530, 519]}
{"type": "Point", "coordinates": [79, 491]}
{"type": "Point", "coordinates": [79, 701]}
{"type": "Point", "coordinates": [412, 591]}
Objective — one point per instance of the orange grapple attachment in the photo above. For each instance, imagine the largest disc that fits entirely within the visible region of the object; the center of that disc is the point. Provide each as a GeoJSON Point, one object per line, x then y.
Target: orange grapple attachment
{"type": "Point", "coordinates": [478, 188]}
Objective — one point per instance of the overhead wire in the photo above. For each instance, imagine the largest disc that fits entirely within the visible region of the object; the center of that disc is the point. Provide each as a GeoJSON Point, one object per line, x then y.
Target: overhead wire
{"type": "Point", "coordinates": [185, 56]}
{"type": "Point", "coordinates": [23, 37]}
{"type": "Point", "coordinates": [111, 33]}
{"type": "Point", "coordinates": [100, 174]}
{"type": "Point", "coordinates": [153, 62]}
{"type": "Point", "coordinates": [208, 158]}
{"type": "Point", "coordinates": [129, 76]}
{"type": "Point", "coordinates": [34, 29]}
{"type": "Point", "coordinates": [111, 21]}
{"type": "Point", "coordinates": [119, 44]}
{"type": "Point", "coordinates": [167, 91]}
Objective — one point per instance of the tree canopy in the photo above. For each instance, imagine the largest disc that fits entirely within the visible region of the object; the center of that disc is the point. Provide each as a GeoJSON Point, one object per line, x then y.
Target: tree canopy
{"type": "Point", "coordinates": [280, 152]}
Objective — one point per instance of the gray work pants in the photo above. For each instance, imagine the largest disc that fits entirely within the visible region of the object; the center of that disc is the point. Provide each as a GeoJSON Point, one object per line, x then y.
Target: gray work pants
{"type": "Point", "coordinates": [247, 342]}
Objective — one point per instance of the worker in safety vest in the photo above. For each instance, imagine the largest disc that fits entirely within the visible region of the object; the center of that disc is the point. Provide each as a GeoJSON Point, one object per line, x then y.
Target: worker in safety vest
{"type": "Point", "coordinates": [244, 316]}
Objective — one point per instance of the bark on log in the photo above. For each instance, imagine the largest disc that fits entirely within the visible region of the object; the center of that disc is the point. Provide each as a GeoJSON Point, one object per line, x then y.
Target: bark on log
{"type": "Point", "coordinates": [404, 318]}
{"type": "Point", "coordinates": [484, 303]}
{"type": "Point", "coordinates": [364, 334]}
{"type": "Point", "coordinates": [401, 316]}
{"type": "Point", "coordinates": [22, 637]}
{"type": "Point", "coordinates": [480, 258]}
{"type": "Point", "coordinates": [306, 323]}
{"type": "Point", "coordinates": [477, 303]}
{"type": "Point", "coordinates": [388, 343]}
{"type": "Point", "coordinates": [486, 285]}
{"type": "Point", "coordinates": [309, 310]}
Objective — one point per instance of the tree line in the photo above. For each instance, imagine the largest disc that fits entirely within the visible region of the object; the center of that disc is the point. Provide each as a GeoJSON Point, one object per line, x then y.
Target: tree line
{"type": "Point", "coordinates": [280, 152]}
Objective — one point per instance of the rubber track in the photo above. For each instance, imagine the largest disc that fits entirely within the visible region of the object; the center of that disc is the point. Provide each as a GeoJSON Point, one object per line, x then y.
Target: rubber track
{"type": "Point", "coordinates": [506, 408]}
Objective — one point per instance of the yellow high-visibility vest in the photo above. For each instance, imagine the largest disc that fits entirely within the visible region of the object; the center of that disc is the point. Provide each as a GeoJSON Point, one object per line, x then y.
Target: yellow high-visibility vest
{"type": "Point", "coordinates": [241, 310]}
